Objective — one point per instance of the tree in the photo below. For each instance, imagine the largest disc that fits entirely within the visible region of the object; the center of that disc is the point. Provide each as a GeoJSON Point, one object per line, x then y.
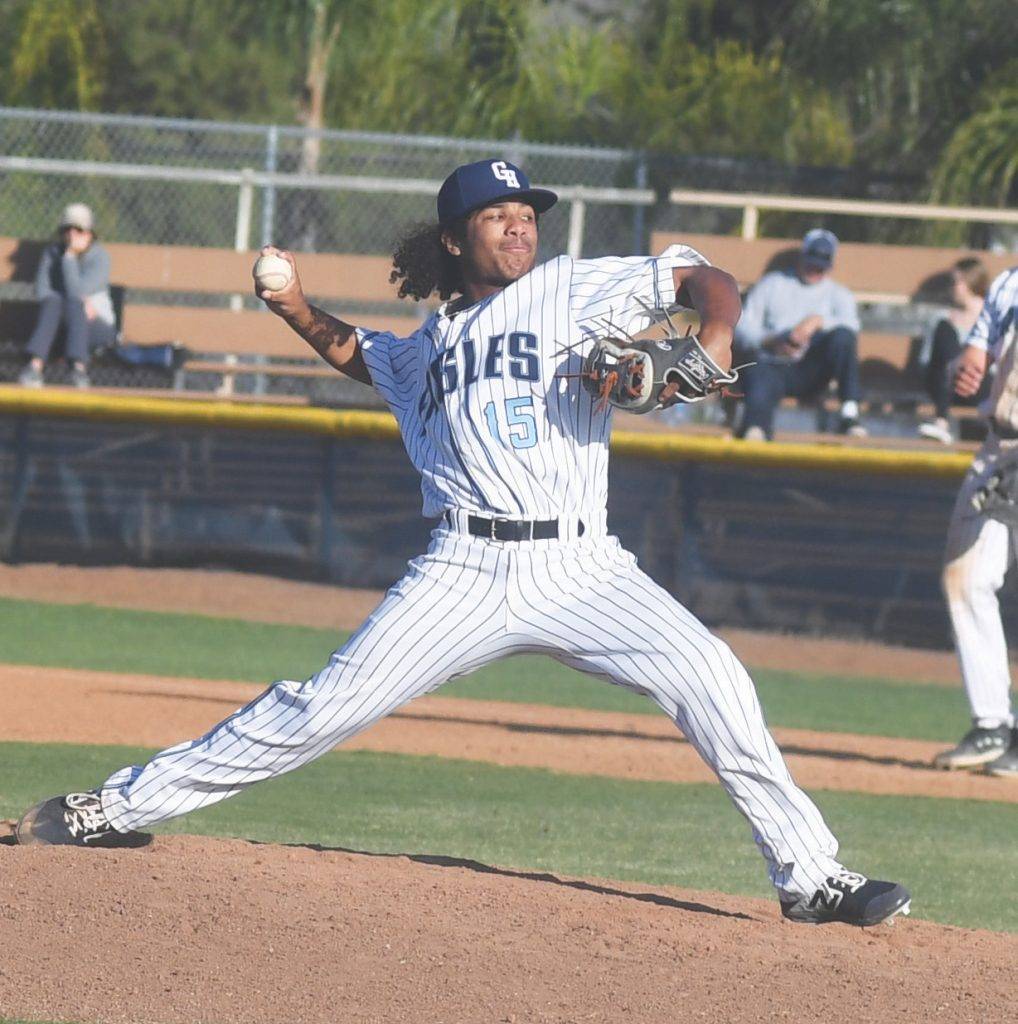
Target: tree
{"type": "Point", "coordinates": [899, 85]}
{"type": "Point", "coordinates": [401, 70]}
{"type": "Point", "coordinates": [980, 164]}
{"type": "Point", "coordinates": [193, 59]}
{"type": "Point", "coordinates": [905, 72]}
{"type": "Point", "coordinates": [323, 31]}
{"type": "Point", "coordinates": [58, 57]}
{"type": "Point", "coordinates": [721, 97]}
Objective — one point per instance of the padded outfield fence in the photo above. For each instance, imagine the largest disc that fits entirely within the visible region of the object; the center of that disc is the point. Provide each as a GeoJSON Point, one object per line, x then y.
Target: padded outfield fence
{"type": "Point", "coordinates": [804, 538]}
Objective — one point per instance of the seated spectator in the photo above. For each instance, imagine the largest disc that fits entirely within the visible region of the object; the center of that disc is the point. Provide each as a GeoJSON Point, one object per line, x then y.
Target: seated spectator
{"type": "Point", "coordinates": [801, 327]}
{"type": "Point", "coordinates": [942, 345]}
{"type": "Point", "coordinates": [72, 285]}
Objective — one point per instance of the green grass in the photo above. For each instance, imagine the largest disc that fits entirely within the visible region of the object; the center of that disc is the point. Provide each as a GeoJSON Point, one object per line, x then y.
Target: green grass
{"type": "Point", "coordinates": [956, 856]}
{"type": "Point", "coordinates": [115, 640]}
{"type": "Point", "coordinates": [872, 707]}
{"type": "Point", "coordinates": [118, 640]}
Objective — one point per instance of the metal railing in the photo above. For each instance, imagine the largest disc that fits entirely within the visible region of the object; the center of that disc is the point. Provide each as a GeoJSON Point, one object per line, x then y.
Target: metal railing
{"type": "Point", "coordinates": [247, 179]}
{"type": "Point", "coordinates": [577, 197]}
{"type": "Point", "coordinates": [751, 203]}
{"type": "Point", "coordinates": [173, 181]}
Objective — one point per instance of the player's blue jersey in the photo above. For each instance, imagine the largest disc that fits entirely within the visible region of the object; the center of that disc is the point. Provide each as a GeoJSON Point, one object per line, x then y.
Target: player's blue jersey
{"type": "Point", "coordinates": [489, 402]}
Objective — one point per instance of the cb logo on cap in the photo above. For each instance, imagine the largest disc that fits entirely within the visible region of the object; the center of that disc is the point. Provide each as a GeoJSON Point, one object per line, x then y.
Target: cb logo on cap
{"type": "Point", "coordinates": [506, 174]}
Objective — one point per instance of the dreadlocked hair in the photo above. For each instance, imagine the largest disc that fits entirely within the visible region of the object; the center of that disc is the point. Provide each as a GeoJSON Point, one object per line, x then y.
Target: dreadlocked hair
{"type": "Point", "coordinates": [422, 265]}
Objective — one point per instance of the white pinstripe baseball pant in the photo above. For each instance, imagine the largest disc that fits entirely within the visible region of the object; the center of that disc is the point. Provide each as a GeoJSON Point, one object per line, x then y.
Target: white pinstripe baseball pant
{"type": "Point", "coordinates": [466, 603]}
{"type": "Point", "coordinates": [978, 554]}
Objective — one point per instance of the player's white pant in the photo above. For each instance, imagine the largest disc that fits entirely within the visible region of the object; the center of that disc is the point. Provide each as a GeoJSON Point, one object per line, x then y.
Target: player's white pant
{"type": "Point", "coordinates": [468, 602]}
{"type": "Point", "coordinates": [979, 552]}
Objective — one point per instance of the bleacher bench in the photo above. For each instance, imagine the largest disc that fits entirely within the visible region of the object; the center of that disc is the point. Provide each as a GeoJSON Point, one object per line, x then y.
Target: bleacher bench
{"type": "Point", "coordinates": [219, 340]}
{"type": "Point", "coordinates": [228, 341]}
{"type": "Point", "coordinates": [876, 274]}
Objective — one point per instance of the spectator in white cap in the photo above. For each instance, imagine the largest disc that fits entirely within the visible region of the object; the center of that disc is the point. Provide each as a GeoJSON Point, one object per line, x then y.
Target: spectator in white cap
{"type": "Point", "coordinates": [801, 327]}
{"type": "Point", "coordinates": [72, 285]}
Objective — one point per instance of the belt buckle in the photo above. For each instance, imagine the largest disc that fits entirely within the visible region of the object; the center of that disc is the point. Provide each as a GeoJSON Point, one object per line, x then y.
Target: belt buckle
{"type": "Point", "coordinates": [516, 529]}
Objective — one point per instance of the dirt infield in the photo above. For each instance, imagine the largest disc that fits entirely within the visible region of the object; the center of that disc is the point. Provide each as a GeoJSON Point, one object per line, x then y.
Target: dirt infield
{"type": "Point", "coordinates": [102, 707]}
{"type": "Point", "coordinates": [237, 933]}
{"type": "Point", "coordinates": [229, 932]}
{"type": "Point", "coordinates": [269, 599]}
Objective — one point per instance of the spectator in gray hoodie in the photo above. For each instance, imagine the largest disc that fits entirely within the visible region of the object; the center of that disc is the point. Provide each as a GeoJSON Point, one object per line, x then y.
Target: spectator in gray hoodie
{"type": "Point", "coordinates": [800, 328]}
{"type": "Point", "coordinates": [72, 285]}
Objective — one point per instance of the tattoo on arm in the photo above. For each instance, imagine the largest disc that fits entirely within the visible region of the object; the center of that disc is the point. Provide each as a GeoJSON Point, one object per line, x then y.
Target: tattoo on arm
{"type": "Point", "coordinates": [321, 331]}
{"type": "Point", "coordinates": [333, 339]}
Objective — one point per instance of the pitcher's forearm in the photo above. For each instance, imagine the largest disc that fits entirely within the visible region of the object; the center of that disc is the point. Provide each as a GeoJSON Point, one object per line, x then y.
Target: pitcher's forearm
{"type": "Point", "coordinates": [333, 339]}
{"type": "Point", "coordinates": [714, 295]}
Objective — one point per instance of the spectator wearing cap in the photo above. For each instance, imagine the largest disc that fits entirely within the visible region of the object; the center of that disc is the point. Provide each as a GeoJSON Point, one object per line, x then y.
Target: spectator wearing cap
{"type": "Point", "coordinates": [801, 328]}
{"type": "Point", "coordinates": [72, 285]}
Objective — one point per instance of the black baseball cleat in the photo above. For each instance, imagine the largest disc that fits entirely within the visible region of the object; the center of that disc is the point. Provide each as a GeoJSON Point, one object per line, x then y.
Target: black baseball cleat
{"type": "Point", "coordinates": [1005, 766]}
{"type": "Point", "coordinates": [977, 747]}
{"type": "Point", "coordinates": [73, 820]}
{"type": "Point", "coordinates": [849, 898]}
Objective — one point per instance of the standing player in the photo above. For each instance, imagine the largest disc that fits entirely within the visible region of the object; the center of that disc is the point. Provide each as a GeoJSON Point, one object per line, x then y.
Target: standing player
{"type": "Point", "coordinates": [513, 456]}
{"type": "Point", "coordinates": [982, 538]}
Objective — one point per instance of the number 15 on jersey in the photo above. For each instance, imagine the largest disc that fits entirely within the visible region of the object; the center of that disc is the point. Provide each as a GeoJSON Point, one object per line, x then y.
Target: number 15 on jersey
{"type": "Point", "coordinates": [521, 424]}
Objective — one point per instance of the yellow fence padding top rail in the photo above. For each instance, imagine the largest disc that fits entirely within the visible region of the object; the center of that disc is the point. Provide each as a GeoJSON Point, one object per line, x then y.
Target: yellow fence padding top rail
{"type": "Point", "coordinates": [677, 447]}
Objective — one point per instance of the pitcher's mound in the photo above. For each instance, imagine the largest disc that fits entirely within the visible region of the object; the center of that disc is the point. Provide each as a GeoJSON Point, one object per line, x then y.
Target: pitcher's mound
{"type": "Point", "coordinates": [196, 929]}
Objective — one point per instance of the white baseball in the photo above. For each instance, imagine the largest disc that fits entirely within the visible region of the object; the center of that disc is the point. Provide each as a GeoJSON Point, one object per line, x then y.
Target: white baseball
{"type": "Point", "coordinates": [272, 273]}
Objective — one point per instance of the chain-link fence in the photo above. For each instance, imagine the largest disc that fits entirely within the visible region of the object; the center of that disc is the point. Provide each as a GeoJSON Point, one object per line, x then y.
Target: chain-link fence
{"type": "Point", "coordinates": [201, 208]}
{"type": "Point", "coordinates": [165, 181]}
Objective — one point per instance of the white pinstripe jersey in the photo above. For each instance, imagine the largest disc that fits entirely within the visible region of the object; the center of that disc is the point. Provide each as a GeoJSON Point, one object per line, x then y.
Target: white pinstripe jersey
{"type": "Point", "coordinates": [489, 413]}
{"type": "Point", "coordinates": [996, 331]}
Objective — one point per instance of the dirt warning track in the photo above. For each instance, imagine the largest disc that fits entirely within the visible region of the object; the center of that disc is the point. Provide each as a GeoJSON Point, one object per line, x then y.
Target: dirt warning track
{"type": "Point", "coordinates": [77, 706]}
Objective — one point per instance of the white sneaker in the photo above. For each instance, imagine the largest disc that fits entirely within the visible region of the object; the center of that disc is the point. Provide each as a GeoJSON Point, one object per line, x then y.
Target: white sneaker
{"type": "Point", "coordinates": [937, 430]}
{"type": "Point", "coordinates": [754, 434]}
{"type": "Point", "coordinates": [30, 377]}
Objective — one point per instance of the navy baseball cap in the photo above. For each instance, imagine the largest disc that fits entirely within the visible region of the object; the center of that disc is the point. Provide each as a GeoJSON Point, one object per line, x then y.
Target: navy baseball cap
{"type": "Point", "coordinates": [472, 186]}
{"type": "Point", "coordinates": [819, 247]}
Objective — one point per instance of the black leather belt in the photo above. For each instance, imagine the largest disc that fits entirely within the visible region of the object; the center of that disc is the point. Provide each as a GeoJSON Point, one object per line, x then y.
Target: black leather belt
{"type": "Point", "coordinates": [514, 529]}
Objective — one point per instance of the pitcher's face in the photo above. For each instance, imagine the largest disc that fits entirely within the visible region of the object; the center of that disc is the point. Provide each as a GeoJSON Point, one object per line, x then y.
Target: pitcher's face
{"type": "Point", "coordinates": [499, 245]}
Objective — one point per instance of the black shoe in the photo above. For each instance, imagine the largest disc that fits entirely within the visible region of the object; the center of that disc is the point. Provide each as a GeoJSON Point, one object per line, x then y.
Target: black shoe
{"type": "Point", "coordinates": [851, 899]}
{"type": "Point", "coordinates": [852, 427]}
{"type": "Point", "coordinates": [978, 746]}
{"type": "Point", "coordinates": [73, 820]}
{"type": "Point", "coordinates": [1006, 766]}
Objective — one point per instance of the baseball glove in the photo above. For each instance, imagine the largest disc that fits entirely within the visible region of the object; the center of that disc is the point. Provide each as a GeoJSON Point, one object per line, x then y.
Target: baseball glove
{"type": "Point", "coordinates": [631, 375]}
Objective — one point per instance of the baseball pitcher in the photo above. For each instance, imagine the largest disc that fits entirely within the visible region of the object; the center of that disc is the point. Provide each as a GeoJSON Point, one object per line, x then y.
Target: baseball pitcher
{"type": "Point", "coordinates": [504, 400]}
